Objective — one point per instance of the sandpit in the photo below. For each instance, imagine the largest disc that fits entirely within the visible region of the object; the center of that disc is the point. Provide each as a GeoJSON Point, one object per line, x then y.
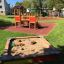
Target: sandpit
{"type": "Point", "coordinates": [25, 46]}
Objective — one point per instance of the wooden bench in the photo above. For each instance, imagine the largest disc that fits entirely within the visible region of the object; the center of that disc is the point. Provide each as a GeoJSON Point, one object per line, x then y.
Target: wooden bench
{"type": "Point", "coordinates": [29, 19]}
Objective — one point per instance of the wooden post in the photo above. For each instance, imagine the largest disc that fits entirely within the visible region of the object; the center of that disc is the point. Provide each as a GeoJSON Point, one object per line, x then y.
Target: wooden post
{"type": "Point", "coordinates": [14, 11]}
{"type": "Point", "coordinates": [20, 15]}
{"type": "Point", "coordinates": [19, 12]}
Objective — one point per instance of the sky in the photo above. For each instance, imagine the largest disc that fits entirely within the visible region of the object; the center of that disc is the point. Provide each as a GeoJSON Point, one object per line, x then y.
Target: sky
{"type": "Point", "coordinates": [12, 2]}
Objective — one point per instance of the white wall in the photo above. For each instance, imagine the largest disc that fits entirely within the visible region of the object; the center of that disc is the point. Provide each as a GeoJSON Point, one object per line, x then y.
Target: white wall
{"type": "Point", "coordinates": [5, 7]}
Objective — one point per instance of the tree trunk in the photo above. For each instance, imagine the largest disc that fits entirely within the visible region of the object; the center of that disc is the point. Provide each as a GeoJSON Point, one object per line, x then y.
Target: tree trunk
{"type": "Point", "coordinates": [59, 11]}
{"type": "Point", "coordinates": [40, 4]}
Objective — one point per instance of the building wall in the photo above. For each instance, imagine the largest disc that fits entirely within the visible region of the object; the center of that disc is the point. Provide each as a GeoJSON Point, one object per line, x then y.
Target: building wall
{"type": "Point", "coordinates": [2, 7]}
{"type": "Point", "coordinates": [5, 9]}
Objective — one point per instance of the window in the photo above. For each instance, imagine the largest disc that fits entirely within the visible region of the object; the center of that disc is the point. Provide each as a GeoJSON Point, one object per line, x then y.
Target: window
{"type": "Point", "coordinates": [0, 0]}
{"type": "Point", "coordinates": [0, 6]}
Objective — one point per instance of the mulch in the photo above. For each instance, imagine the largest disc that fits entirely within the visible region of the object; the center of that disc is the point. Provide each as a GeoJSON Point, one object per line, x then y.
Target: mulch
{"type": "Point", "coordinates": [44, 29]}
{"type": "Point", "coordinates": [51, 18]}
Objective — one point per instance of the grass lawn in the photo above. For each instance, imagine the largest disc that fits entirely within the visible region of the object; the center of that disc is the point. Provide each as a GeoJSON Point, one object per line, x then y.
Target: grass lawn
{"type": "Point", "coordinates": [7, 18]}
{"type": "Point", "coordinates": [56, 37]}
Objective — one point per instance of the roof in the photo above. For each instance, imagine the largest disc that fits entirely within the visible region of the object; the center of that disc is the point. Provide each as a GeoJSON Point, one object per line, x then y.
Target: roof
{"type": "Point", "coordinates": [18, 7]}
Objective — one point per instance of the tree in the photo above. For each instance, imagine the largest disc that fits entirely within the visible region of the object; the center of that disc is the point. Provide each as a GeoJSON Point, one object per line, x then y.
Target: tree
{"type": "Point", "coordinates": [37, 5]}
{"type": "Point", "coordinates": [18, 3]}
{"type": "Point", "coordinates": [26, 3]}
{"type": "Point", "coordinates": [58, 4]}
